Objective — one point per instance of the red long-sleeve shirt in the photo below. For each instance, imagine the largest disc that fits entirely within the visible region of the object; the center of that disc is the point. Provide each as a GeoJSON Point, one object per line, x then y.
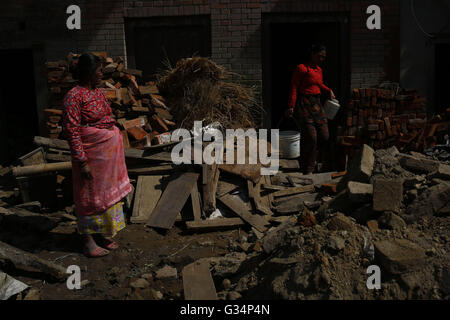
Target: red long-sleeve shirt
{"type": "Point", "coordinates": [84, 107]}
{"type": "Point", "coordinates": [306, 80]}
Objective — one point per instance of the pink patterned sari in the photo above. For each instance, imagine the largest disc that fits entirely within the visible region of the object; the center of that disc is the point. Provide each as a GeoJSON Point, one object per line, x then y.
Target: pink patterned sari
{"type": "Point", "coordinates": [110, 183]}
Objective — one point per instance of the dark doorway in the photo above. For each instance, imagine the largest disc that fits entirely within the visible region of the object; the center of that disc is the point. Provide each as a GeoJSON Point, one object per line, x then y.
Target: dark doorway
{"type": "Point", "coordinates": [286, 39]}
{"type": "Point", "coordinates": [18, 114]}
{"type": "Point", "coordinates": [153, 41]}
{"type": "Point", "coordinates": [442, 66]}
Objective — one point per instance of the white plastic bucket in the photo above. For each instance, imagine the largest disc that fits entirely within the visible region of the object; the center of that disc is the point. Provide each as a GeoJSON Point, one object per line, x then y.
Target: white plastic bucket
{"type": "Point", "coordinates": [289, 146]}
{"type": "Point", "coordinates": [331, 108]}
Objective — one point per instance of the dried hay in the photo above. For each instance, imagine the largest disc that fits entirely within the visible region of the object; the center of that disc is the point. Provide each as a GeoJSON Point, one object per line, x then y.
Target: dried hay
{"type": "Point", "coordinates": [199, 89]}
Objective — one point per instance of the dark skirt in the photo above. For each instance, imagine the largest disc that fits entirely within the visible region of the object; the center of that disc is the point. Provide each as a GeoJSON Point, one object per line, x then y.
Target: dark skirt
{"type": "Point", "coordinates": [309, 110]}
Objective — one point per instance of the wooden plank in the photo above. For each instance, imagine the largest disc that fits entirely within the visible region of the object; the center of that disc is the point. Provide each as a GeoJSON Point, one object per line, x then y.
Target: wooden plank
{"type": "Point", "coordinates": [151, 170]}
{"type": "Point", "coordinates": [210, 179]}
{"type": "Point", "coordinates": [148, 192]}
{"type": "Point", "coordinates": [255, 196]}
{"type": "Point", "coordinates": [197, 282]}
{"type": "Point", "coordinates": [219, 223]}
{"type": "Point", "coordinates": [239, 207]}
{"type": "Point", "coordinates": [294, 190]}
{"type": "Point", "coordinates": [196, 207]}
{"type": "Point", "coordinates": [129, 153]}
{"type": "Point", "coordinates": [224, 187]}
{"type": "Point", "coordinates": [268, 180]}
{"type": "Point", "coordinates": [22, 259]}
{"type": "Point", "coordinates": [247, 171]}
{"type": "Point", "coordinates": [172, 201]}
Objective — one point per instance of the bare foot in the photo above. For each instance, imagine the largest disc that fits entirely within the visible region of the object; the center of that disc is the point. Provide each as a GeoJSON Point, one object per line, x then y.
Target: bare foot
{"type": "Point", "coordinates": [91, 249]}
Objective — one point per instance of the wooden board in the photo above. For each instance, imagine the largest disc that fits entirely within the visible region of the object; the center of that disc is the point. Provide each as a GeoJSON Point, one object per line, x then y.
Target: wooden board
{"type": "Point", "coordinates": [218, 223]}
{"type": "Point", "coordinates": [196, 206]}
{"type": "Point", "coordinates": [240, 208]}
{"type": "Point", "coordinates": [254, 193]}
{"type": "Point", "coordinates": [197, 282]}
{"type": "Point", "coordinates": [294, 190]}
{"type": "Point", "coordinates": [172, 201]}
{"type": "Point", "coordinates": [129, 153]}
{"type": "Point", "coordinates": [151, 170]}
{"type": "Point", "coordinates": [247, 171]}
{"type": "Point", "coordinates": [210, 176]}
{"type": "Point", "coordinates": [224, 187]}
{"type": "Point", "coordinates": [148, 192]}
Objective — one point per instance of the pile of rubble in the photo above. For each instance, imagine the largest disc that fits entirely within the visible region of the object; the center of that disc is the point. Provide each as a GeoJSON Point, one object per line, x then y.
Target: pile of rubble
{"type": "Point", "coordinates": [391, 210]}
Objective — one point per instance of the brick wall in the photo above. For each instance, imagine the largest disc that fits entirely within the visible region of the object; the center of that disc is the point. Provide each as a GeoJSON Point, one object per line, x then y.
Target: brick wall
{"type": "Point", "coordinates": [235, 30]}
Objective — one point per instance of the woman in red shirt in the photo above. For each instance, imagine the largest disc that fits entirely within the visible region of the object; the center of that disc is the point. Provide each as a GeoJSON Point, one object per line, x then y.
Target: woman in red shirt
{"type": "Point", "coordinates": [99, 174]}
{"type": "Point", "coordinates": [305, 105]}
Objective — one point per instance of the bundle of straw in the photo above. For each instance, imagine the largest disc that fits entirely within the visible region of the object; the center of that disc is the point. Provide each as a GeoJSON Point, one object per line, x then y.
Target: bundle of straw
{"type": "Point", "coordinates": [199, 89]}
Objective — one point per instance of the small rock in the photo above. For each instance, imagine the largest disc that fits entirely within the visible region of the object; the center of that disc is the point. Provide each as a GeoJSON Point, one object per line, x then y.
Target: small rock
{"type": "Point", "coordinates": [84, 283]}
{"type": "Point", "coordinates": [233, 295]}
{"type": "Point", "coordinates": [391, 221]}
{"type": "Point", "coordinates": [167, 272]}
{"type": "Point", "coordinates": [242, 239]}
{"type": "Point", "coordinates": [147, 276]}
{"type": "Point", "coordinates": [359, 192]}
{"type": "Point", "coordinates": [307, 218]}
{"type": "Point", "coordinates": [372, 225]}
{"type": "Point", "coordinates": [399, 255]}
{"type": "Point", "coordinates": [336, 243]}
{"type": "Point", "coordinates": [33, 294]}
{"type": "Point", "coordinates": [226, 283]}
{"type": "Point", "coordinates": [157, 295]}
{"type": "Point", "coordinates": [340, 222]}
{"type": "Point", "coordinates": [139, 284]}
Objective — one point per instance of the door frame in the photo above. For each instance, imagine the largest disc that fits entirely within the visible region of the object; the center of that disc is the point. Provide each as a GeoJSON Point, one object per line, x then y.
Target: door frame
{"type": "Point", "coordinates": [130, 24]}
{"type": "Point", "coordinates": [296, 18]}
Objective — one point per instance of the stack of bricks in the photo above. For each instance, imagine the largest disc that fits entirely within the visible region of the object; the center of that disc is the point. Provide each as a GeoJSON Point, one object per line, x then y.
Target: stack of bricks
{"type": "Point", "coordinates": [139, 109]}
{"type": "Point", "coordinates": [384, 118]}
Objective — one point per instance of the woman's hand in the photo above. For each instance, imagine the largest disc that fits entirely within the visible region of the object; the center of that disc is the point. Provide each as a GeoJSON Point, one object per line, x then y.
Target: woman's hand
{"type": "Point", "coordinates": [332, 96]}
{"type": "Point", "coordinates": [289, 112]}
{"type": "Point", "coordinates": [86, 172]}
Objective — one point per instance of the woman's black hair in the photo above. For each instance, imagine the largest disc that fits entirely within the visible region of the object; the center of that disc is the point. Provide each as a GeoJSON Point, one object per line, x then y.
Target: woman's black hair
{"type": "Point", "coordinates": [86, 65]}
{"type": "Point", "coordinates": [316, 48]}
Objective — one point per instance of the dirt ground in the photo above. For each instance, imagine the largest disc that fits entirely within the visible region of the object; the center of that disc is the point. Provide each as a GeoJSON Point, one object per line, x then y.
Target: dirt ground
{"type": "Point", "coordinates": [142, 251]}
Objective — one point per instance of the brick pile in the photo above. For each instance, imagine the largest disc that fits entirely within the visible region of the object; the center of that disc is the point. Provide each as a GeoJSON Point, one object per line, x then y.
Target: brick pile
{"type": "Point", "coordinates": [383, 118]}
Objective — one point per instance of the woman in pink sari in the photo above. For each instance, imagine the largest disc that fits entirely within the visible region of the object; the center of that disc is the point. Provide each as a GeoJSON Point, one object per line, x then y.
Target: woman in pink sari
{"type": "Point", "coordinates": [99, 173]}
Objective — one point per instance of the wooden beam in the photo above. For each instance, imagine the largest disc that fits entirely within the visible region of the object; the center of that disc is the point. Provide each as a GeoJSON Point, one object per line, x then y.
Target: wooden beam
{"type": "Point", "coordinates": [239, 207]}
{"type": "Point", "coordinates": [218, 223]}
{"type": "Point", "coordinates": [22, 259]}
{"type": "Point", "coordinates": [197, 282]}
{"type": "Point", "coordinates": [294, 190]}
{"type": "Point", "coordinates": [196, 207]}
{"type": "Point", "coordinates": [210, 176]}
{"type": "Point", "coordinates": [148, 192]}
{"type": "Point", "coordinates": [172, 201]}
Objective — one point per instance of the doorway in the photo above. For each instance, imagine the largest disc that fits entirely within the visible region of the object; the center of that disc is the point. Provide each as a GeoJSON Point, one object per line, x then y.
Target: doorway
{"type": "Point", "coordinates": [151, 42]}
{"type": "Point", "coordinates": [18, 112]}
{"type": "Point", "coordinates": [286, 39]}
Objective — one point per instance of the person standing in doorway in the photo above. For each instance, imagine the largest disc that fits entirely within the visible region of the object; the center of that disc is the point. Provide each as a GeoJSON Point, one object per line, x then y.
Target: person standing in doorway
{"type": "Point", "coordinates": [305, 106]}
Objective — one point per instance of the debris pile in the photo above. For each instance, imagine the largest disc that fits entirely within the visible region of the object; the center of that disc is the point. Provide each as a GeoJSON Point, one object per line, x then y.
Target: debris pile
{"type": "Point", "coordinates": [391, 211]}
{"type": "Point", "coordinates": [386, 117]}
